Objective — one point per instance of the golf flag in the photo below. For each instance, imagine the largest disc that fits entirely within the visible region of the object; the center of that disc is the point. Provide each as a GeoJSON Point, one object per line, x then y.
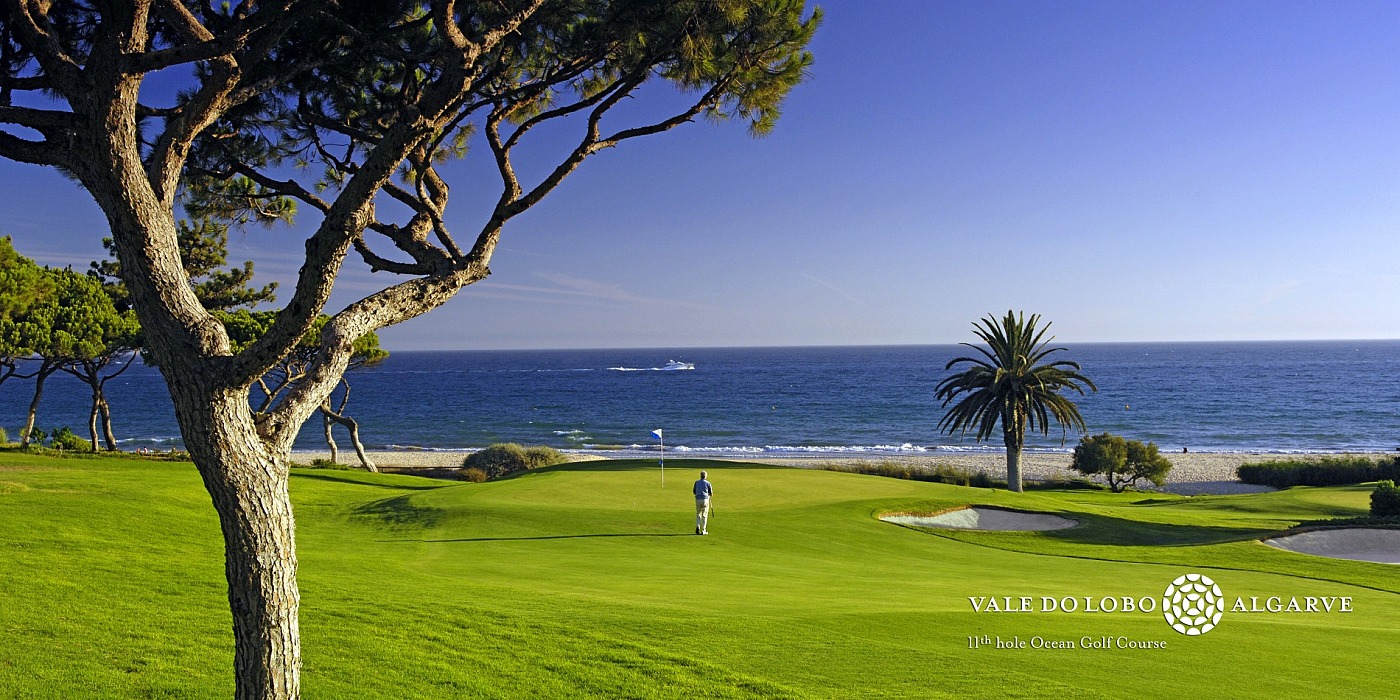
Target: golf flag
{"type": "Point", "coordinates": [657, 434]}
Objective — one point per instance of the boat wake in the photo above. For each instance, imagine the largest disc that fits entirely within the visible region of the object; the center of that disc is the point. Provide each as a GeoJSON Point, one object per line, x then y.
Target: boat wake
{"type": "Point", "coordinates": [671, 366]}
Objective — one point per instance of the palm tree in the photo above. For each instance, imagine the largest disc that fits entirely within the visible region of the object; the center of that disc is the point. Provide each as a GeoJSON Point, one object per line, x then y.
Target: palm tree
{"type": "Point", "coordinates": [1008, 384]}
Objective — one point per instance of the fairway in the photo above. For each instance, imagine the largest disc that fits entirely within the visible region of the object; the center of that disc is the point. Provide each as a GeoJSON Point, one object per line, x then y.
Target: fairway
{"type": "Point", "coordinates": [584, 581]}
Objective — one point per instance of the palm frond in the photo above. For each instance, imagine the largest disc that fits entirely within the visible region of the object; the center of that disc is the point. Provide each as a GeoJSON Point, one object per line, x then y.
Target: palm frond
{"type": "Point", "coordinates": [1012, 377]}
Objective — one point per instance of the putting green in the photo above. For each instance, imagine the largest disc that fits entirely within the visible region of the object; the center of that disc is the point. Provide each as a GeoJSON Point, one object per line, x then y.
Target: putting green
{"type": "Point", "coordinates": [584, 581]}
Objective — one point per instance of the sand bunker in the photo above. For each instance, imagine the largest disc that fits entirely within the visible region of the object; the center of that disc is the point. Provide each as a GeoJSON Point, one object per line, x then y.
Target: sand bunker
{"type": "Point", "coordinates": [985, 519]}
{"type": "Point", "coordinates": [1360, 544]}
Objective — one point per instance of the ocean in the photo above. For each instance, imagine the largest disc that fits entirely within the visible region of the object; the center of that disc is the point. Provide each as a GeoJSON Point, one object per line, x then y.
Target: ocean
{"type": "Point", "coordinates": [1316, 396]}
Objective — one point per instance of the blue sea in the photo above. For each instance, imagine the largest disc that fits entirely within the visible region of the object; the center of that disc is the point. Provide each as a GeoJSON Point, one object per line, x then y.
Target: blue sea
{"type": "Point", "coordinates": [1317, 396]}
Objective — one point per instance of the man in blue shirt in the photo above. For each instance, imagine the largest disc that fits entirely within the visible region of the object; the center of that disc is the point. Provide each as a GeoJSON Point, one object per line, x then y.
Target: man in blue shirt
{"type": "Point", "coordinates": [703, 492]}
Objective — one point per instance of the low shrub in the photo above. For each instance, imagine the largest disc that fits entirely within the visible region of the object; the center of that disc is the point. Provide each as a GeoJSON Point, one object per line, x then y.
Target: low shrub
{"type": "Point", "coordinates": [1389, 521]}
{"type": "Point", "coordinates": [472, 474]}
{"type": "Point", "coordinates": [36, 436]}
{"type": "Point", "coordinates": [541, 456]}
{"type": "Point", "coordinates": [327, 464]}
{"type": "Point", "coordinates": [4, 437]}
{"type": "Point", "coordinates": [940, 473]}
{"type": "Point", "coordinates": [1320, 471]}
{"type": "Point", "coordinates": [505, 458]}
{"type": "Point", "coordinates": [64, 439]}
{"type": "Point", "coordinates": [1059, 484]}
{"type": "Point", "coordinates": [947, 474]}
{"type": "Point", "coordinates": [1385, 500]}
{"type": "Point", "coordinates": [981, 480]}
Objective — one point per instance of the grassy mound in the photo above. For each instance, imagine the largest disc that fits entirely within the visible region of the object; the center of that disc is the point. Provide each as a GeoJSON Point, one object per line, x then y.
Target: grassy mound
{"type": "Point", "coordinates": [505, 458]}
{"type": "Point", "coordinates": [582, 581]}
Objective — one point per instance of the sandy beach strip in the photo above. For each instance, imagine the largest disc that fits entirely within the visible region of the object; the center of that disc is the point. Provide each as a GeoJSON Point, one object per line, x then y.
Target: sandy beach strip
{"type": "Point", "coordinates": [1192, 473]}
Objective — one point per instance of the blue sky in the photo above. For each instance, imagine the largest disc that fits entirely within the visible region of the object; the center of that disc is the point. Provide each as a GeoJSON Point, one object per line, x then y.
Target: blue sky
{"type": "Point", "coordinates": [1129, 170]}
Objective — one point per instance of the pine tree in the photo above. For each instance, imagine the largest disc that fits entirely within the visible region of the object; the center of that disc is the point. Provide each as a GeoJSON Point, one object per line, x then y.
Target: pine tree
{"type": "Point", "coordinates": [328, 106]}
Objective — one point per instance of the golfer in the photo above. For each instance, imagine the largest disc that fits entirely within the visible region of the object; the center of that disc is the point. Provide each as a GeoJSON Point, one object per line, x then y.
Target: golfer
{"type": "Point", "coordinates": [703, 492]}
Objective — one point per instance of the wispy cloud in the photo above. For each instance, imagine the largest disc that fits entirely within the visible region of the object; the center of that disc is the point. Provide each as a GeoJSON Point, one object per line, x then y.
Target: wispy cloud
{"type": "Point", "coordinates": [579, 286]}
{"type": "Point", "coordinates": [561, 288]}
{"type": "Point", "coordinates": [1277, 292]}
{"type": "Point", "coordinates": [834, 288]}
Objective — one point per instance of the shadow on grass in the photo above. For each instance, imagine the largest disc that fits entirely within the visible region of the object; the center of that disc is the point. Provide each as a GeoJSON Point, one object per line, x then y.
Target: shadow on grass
{"type": "Point", "coordinates": [626, 465]}
{"type": "Point", "coordinates": [1108, 531]}
{"type": "Point", "coordinates": [556, 537]}
{"type": "Point", "coordinates": [348, 477]}
{"type": "Point", "coordinates": [399, 512]}
{"type": "Point", "coordinates": [1104, 530]}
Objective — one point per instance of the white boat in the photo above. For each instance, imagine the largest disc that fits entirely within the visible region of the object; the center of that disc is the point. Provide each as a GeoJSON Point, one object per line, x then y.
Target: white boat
{"type": "Point", "coordinates": [676, 364]}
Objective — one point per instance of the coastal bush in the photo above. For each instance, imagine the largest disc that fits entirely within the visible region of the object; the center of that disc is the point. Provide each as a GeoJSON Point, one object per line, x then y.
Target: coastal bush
{"type": "Point", "coordinates": [327, 464]}
{"type": "Point", "coordinates": [473, 475]}
{"type": "Point", "coordinates": [1321, 471]}
{"type": "Point", "coordinates": [64, 439]}
{"type": "Point", "coordinates": [37, 436]}
{"type": "Point", "coordinates": [4, 437]}
{"type": "Point", "coordinates": [1385, 500]}
{"type": "Point", "coordinates": [947, 474]}
{"type": "Point", "coordinates": [1119, 460]}
{"type": "Point", "coordinates": [505, 458]}
{"type": "Point", "coordinates": [541, 456]}
{"type": "Point", "coordinates": [1057, 484]}
{"type": "Point", "coordinates": [938, 473]}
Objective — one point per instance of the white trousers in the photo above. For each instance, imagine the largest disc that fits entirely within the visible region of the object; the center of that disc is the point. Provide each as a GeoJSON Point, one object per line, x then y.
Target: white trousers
{"type": "Point", "coordinates": [702, 514]}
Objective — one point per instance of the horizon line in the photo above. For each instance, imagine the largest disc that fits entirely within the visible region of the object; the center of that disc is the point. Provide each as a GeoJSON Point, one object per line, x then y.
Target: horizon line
{"type": "Point", "coordinates": [899, 345]}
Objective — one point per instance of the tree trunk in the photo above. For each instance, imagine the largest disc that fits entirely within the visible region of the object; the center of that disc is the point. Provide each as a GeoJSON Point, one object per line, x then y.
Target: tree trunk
{"type": "Point", "coordinates": [354, 429]}
{"type": "Point", "coordinates": [330, 438]}
{"type": "Point", "coordinates": [246, 478]}
{"type": "Point", "coordinates": [108, 436]}
{"type": "Point", "coordinates": [248, 486]}
{"type": "Point", "coordinates": [1013, 467]}
{"type": "Point", "coordinates": [43, 374]}
{"type": "Point", "coordinates": [92, 418]}
{"type": "Point", "coordinates": [1014, 435]}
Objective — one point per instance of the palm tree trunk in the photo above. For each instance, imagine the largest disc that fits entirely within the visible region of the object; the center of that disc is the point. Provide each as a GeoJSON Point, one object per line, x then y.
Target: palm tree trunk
{"type": "Point", "coordinates": [1013, 466]}
{"type": "Point", "coordinates": [1014, 435]}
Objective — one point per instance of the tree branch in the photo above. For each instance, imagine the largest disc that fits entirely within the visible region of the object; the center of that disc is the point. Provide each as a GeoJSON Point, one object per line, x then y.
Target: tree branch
{"type": "Point", "coordinates": [26, 83]}
{"type": "Point", "coordinates": [287, 188]}
{"type": "Point", "coordinates": [62, 72]}
{"type": "Point", "coordinates": [384, 308]}
{"type": "Point", "coordinates": [33, 152]}
{"type": "Point", "coordinates": [204, 46]}
{"type": "Point", "coordinates": [45, 121]}
{"type": "Point", "coordinates": [377, 263]}
{"type": "Point", "coordinates": [212, 99]}
{"type": "Point", "coordinates": [413, 240]}
{"type": "Point", "coordinates": [710, 98]}
{"type": "Point", "coordinates": [493, 36]}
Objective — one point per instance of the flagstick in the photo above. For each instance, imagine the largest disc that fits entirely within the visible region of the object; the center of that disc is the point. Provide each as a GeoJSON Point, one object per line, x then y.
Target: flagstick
{"type": "Point", "coordinates": [663, 460]}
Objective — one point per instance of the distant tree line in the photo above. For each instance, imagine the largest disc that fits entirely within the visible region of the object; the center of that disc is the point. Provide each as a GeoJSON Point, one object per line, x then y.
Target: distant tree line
{"type": "Point", "coordinates": [58, 320]}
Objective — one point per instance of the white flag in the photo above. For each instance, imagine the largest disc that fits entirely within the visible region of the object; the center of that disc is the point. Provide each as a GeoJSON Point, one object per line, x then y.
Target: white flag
{"type": "Point", "coordinates": [656, 433]}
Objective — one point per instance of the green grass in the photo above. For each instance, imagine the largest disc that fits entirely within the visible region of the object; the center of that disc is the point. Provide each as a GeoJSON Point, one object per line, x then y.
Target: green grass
{"type": "Point", "coordinates": [582, 581]}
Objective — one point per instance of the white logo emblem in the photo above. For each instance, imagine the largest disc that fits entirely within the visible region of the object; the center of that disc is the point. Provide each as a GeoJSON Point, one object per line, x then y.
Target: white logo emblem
{"type": "Point", "coordinates": [1193, 604]}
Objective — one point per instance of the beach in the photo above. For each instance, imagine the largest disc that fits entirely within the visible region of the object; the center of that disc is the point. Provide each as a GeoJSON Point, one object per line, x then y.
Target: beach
{"type": "Point", "coordinates": [1192, 473]}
